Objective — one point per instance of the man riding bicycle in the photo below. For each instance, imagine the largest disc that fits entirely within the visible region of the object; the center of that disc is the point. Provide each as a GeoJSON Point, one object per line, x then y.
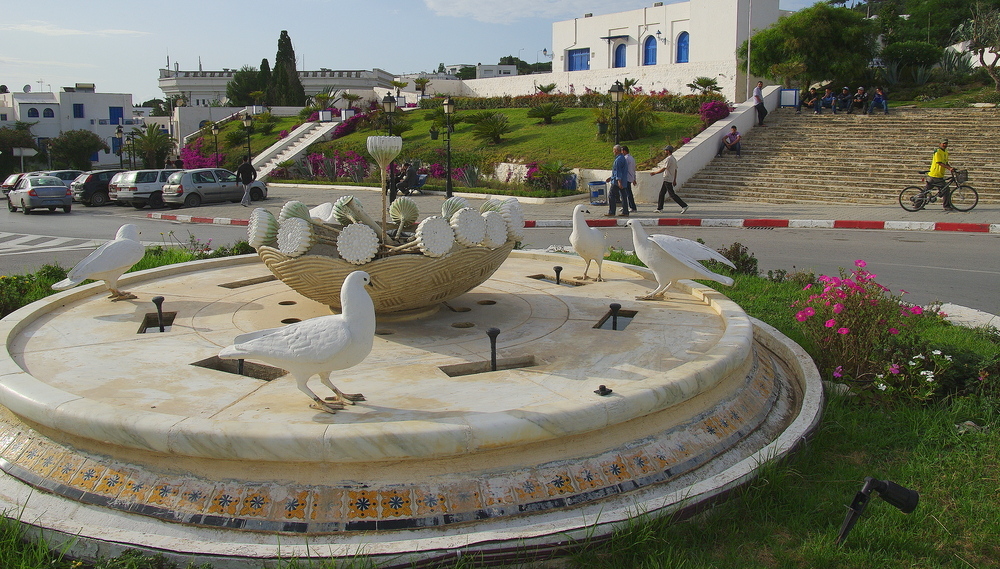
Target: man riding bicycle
{"type": "Point", "coordinates": [935, 177]}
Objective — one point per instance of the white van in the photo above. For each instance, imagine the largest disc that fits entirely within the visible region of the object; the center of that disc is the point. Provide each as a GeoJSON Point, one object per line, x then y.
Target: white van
{"type": "Point", "coordinates": [141, 187]}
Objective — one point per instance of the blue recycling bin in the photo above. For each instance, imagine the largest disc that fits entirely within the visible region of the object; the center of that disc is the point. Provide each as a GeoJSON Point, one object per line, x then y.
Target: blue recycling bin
{"type": "Point", "coordinates": [598, 193]}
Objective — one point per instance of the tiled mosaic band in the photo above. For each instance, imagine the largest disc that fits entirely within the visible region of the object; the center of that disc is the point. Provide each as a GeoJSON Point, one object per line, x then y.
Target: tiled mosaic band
{"type": "Point", "coordinates": [341, 507]}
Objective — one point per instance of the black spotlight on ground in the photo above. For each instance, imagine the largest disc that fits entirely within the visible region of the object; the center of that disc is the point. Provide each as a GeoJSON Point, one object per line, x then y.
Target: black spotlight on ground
{"type": "Point", "coordinates": [903, 498]}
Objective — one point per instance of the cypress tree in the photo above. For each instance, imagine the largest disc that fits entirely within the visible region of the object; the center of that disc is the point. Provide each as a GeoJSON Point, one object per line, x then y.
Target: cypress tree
{"type": "Point", "coordinates": [264, 80]}
{"type": "Point", "coordinates": [287, 90]}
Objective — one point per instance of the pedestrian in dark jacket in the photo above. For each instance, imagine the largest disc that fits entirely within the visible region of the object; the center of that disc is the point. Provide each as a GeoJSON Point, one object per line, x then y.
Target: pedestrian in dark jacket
{"type": "Point", "coordinates": [245, 175]}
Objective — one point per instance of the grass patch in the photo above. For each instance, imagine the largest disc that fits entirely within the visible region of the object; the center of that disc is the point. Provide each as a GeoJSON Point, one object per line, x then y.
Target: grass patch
{"type": "Point", "coordinates": [571, 138]}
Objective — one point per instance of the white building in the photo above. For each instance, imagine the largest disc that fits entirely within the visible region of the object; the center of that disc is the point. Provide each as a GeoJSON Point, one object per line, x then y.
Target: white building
{"type": "Point", "coordinates": [206, 88]}
{"type": "Point", "coordinates": [664, 46]}
{"type": "Point", "coordinates": [73, 108]}
{"type": "Point", "coordinates": [485, 71]}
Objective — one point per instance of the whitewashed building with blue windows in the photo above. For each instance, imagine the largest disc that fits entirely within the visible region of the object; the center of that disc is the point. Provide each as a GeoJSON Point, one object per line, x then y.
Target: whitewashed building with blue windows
{"type": "Point", "coordinates": [79, 107]}
{"type": "Point", "coordinates": [662, 46]}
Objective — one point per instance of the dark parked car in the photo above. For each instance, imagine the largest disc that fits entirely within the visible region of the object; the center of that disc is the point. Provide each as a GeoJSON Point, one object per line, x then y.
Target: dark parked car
{"type": "Point", "coordinates": [191, 188]}
{"type": "Point", "coordinates": [34, 192]}
{"type": "Point", "coordinates": [91, 188]}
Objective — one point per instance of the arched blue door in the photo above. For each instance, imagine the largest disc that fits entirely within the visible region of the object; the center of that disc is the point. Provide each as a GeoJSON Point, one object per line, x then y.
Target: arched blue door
{"type": "Point", "coordinates": [682, 47]}
{"type": "Point", "coordinates": [620, 55]}
{"type": "Point", "coordinates": [649, 51]}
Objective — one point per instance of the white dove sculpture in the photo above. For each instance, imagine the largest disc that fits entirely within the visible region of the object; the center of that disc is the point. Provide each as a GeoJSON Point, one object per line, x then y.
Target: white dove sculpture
{"type": "Point", "coordinates": [319, 345]}
{"type": "Point", "coordinates": [672, 258]}
{"type": "Point", "coordinates": [108, 263]}
{"type": "Point", "coordinates": [588, 242]}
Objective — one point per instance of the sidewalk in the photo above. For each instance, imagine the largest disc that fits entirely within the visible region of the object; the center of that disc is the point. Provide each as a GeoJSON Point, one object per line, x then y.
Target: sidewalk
{"type": "Point", "coordinates": [985, 218]}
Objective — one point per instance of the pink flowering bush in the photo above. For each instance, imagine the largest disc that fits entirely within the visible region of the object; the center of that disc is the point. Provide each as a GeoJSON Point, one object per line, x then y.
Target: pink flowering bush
{"type": "Point", "coordinates": [854, 325]}
{"type": "Point", "coordinates": [713, 111]}
{"type": "Point", "coordinates": [283, 134]}
{"type": "Point", "coordinates": [195, 156]}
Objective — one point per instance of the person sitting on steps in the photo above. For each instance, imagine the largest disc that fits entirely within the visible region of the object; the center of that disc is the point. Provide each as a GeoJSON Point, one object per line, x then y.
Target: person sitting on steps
{"type": "Point", "coordinates": [731, 141]}
{"type": "Point", "coordinates": [809, 100]}
{"type": "Point", "coordinates": [829, 101]}
{"type": "Point", "coordinates": [880, 101]}
{"type": "Point", "coordinates": [844, 99]}
{"type": "Point", "coordinates": [859, 101]}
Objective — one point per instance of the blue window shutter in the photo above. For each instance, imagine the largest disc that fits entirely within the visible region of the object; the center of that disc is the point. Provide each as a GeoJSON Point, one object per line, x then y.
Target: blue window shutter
{"type": "Point", "coordinates": [78, 110]}
{"type": "Point", "coordinates": [649, 51]}
{"type": "Point", "coordinates": [578, 59]}
{"type": "Point", "coordinates": [682, 47]}
{"type": "Point", "coordinates": [620, 55]}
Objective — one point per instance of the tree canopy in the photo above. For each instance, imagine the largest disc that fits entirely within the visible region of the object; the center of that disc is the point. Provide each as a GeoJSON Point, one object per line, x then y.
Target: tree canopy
{"type": "Point", "coordinates": [816, 43]}
{"type": "Point", "coordinates": [10, 138]}
{"type": "Point", "coordinates": [982, 31]}
{"type": "Point", "coordinates": [286, 88]}
{"type": "Point", "coordinates": [75, 147]}
{"type": "Point", "coordinates": [152, 145]}
{"type": "Point", "coordinates": [244, 82]}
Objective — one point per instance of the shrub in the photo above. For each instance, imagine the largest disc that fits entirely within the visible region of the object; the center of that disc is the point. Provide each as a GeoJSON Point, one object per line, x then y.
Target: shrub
{"type": "Point", "coordinates": [545, 111]}
{"type": "Point", "coordinates": [492, 128]}
{"type": "Point", "coordinates": [713, 111]}
{"type": "Point", "coordinates": [917, 53]}
{"type": "Point", "coordinates": [745, 261]}
{"type": "Point", "coordinates": [854, 325]}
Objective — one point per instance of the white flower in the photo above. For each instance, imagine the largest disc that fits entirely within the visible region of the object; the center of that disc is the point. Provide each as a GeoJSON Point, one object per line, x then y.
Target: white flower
{"type": "Point", "coordinates": [948, 358]}
{"type": "Point", "coordinates": [912, 363]}
{"type": "Point", "coordinates": [879, 375]}
{"type": "Point", "coordinates": [881, 385]}
{"type": "Point", "coordinates": [919, 357]}
{"type": "Point", "coordinates": [928, 374]}
{"type": "Point", "coordinates": [936, 352]}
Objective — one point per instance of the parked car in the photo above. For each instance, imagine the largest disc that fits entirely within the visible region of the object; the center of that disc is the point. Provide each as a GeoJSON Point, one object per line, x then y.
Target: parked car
{"type": "Point", "coordinates": [34, 192]}
{"type": "Point", "coordinates": [67, 176]}
{"type": "Point", "coordinates": [10, 182]}
{"type": "Point", "coordinates": [91, 188]}
{"type": "Point", "coordinates": [191, 188]}
{"type": "Point", "coordinates": [139, 188]}
{"type": "Point", "coordinates": [113, 188]}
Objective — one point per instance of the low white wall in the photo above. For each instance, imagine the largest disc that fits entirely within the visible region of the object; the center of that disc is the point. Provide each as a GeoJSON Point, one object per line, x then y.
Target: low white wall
{"type": "Point", "coordinates": [652, 78]}
{"type": "Point", "coordinates": [694, 155]}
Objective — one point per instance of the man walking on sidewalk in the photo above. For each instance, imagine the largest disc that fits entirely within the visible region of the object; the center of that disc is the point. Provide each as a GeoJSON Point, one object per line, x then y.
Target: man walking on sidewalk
{"type": "Point", "coordinates": [618, 181]}
{"type": "Point", "coordinates": [245, 175]}
{"type": "Point", "coordinates": [668, 167]}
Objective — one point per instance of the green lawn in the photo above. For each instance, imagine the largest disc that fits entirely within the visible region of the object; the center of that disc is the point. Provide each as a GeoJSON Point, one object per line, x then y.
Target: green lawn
{"type": "Point", "coordinates": [571, 138]}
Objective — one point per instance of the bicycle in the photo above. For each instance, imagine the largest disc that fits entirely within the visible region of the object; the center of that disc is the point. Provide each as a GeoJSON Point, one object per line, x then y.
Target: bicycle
{"type": "Point", "coordinates": [963, 198]}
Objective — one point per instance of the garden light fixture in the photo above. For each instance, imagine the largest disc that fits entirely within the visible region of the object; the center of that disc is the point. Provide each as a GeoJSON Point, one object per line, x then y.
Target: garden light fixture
{"type": "Point", "coordinates": [247, 123]}
{"type": "Point", "coordinates": [215, 135]}
{"type": "Point", "coordinates": [617, 91]}
{"type": "Point", "coordinates": [119, 134]}
{"type": "Point", "coordinates": [903, 498]}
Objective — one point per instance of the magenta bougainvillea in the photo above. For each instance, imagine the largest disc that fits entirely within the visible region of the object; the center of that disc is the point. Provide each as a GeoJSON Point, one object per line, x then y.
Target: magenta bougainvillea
{"type": "Point", "coordinates": [193, 155]}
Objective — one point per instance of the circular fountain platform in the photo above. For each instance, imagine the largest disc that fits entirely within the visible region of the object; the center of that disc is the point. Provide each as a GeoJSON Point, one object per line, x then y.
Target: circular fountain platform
{"type": "Point", "coordinates": [141, 438]}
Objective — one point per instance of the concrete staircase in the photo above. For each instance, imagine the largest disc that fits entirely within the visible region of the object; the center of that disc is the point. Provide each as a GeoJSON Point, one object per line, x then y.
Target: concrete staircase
{"type": "Point", "coordinates": [292, 146]}
{"type": "Point", "coordinates": [852, 158]}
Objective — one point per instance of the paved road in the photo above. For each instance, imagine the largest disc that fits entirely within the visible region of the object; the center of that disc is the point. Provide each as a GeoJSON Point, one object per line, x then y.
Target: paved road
{"type": "Point", "coordinates": [961, 268]}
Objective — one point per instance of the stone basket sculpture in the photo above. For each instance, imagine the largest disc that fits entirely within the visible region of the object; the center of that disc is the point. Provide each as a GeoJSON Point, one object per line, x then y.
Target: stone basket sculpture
{"type": "Point", "coordinates": [399, 282]}
{"type": "Point", "coordinates": [413, 267]}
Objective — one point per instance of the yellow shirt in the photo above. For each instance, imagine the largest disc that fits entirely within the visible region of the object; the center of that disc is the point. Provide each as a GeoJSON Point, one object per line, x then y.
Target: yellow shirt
{"type": "Point", "coordinates": [937, 169]}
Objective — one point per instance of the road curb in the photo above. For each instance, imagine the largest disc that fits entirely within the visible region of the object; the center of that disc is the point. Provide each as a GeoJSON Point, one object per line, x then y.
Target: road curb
{"type": "Point", "coordinates": [697, 222]}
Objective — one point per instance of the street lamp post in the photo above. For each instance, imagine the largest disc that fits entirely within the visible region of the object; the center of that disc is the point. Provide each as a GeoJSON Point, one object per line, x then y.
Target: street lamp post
{"type": "Point", "coordinates": [215, 135]}
{"type": "Point", "coordinates": [449, 108]}
{"type": "Point", "coordinates": [617, 91]}
{"type": "Point", "coordinates": [389, 107]}
{"type": "Point", "coordinates": [119, 134]}
{"type": "Point", "coordinates": [247, 123]}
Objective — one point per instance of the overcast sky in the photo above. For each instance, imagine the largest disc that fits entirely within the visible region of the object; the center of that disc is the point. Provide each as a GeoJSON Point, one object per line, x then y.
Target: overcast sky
{"type": "Point", "coordinates": [120, 46]}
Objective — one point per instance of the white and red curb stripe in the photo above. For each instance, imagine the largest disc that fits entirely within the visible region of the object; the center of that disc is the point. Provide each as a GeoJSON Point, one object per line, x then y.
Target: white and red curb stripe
{"type": "Point", "coordinates": [194, 219]}
{"type": "Point", "coordinates": [790, 223]}
{"type": "Point", "coordinates": [695, 222]}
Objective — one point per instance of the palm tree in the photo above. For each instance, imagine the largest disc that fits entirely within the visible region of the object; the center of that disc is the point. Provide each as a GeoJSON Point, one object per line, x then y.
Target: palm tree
{"type": "Point", "coordinates": [399, 85]}
{"type": "Point", "coordinates": [492, 128]}
{"type": "Point", "coordinates": [545, 111]}
{"type": "Point", "coordinates": [421, 84]}
{"type": "Point", "coordinates": [628, 84]}
{"type": "Point", "coordinates": [547, 89]}
{"type": "Point", "coordinates": [704, 84]}
{"type": "Point", "coordinates": [351, 98]}
{"type": "Point", "coordinates": [152, 145]}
